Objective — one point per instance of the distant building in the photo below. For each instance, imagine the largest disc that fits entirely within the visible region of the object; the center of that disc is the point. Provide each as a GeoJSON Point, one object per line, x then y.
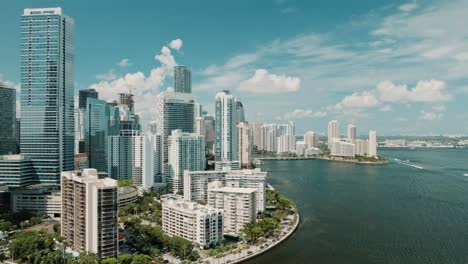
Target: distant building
{"type": "Point", "coordinates": [351, 133]}
{"type": "Point", "coordinates": [240, 114]}
{"type": "Point", "coordinates": [17, 171]}
{"type": "Point", "coordinates": [312, 152]}
{"type": "Point", "coordinates": [256, 131]}
{"type": "Point", "coordinates": [47, 91]}
{"type": "Point", "coordinates": [227, 165]}
{"type": "Point", "coordinates": [90, 213]}
{"type": "Point", "coordinates": [126, 156]}
{"type": "Point", "coordinates": [243, 144]}
{"type": "Point", "coordinates": [341, 148]}
{"type": "Point", "coordinates": [127, 99]}
{"type": "Point", "coordinates": [333, 131]}
{"type": "Point", "coordinates": [361, 147]}
{"type": "Point", "coordinates": [127, 195]}
{"type": "Point", "coordinates": [182, 79]}
{"type": "Point", "coordinates": [83, 96]}
{"type": "Point", "coordinates": [225, 127]}
{"type": "Point", "coordinates": [200, 224]}
{"type": "Point", "coordinates": [311, 139]}
{"type": "Point", "coordinates": [238, 204]}
{"type": "Point", "coordinates": [80, 135]}
{"type": "Point", "coordinates": [186, 152]}
{"type": "Point", "coordinates": [372, 143]}
{"type": "Point", "coordinates": [81, 161]}
{"type": "Point", "coordinates": [199, 126]}
{"type": "Point", "coordinates": [42, 198]}
{"type": "Point", "coordinates": [300, 148]}
{"type": "Point", "coordinates": [249, 179]}
{"type": "Point", "coordinates": [196, 184]}
{"type": "Point", "coordinates": [8, 126]}
{"type": "Point", "coordinates": [209, 129]}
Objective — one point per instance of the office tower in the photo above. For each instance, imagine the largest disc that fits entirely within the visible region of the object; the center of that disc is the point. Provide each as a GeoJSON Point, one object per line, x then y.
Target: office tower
{"type": "Point", "coordinates": [268, 138]}
{"type": "Point", "coordinates": [101, 121]}
{"type": "Point", "coordinates": [225, 127]}
{"type": "Point", "coordinates": [47, 87]}
{"type": "Point", "coordinates": [152, 161]}
{"type": "Point", "coordinates": [238, 204]}
{"type": "Point", "coordinates": [45, 199]}
{"type": "Point", "coordinates": [186, 152]}
{"type": "Point", "coordinates": [243, 144]}
{"type": "Point", "coordinates": [351, 133]}
{"type": "Point", "coordinates": [127, 99]}
{"type": "Point", "coordinates": [83, 95]}
{"type": "Point", "coordinates": [200, 224]}
{"type": "Point", "coordinates": [256, 132]}
{"type": "Point", "coordinates": [311, 139]}
{"type": "Point", "coordinates": [17, 171]}
{"type": "Point", "coordinates": [209, 129]}
{"type": "Point", "coordinates": [173, 111]}
{"type": "Point", "coordinates": [240, 114]}
{"type": "Point", "coordinates": [80, 136]}
{"type": "Point", "coordinates": [197, 110]}
{"type": "Point", "coordinates": [182, 79]}
{"type": "Point", "coordinates": [333, 131]}
{"type": "Point", "coordinates": [196, 184]}
{"type": "Point", "coordinates": [249, 179]}
{"type": "Point", "coordinates": [300, 148]}
{"type": "Point", "coordinates": [90, 213]}
{"type": "Point", "coordinates": [8, 128]}
{"type": "Point", "coordinates": [361, 147]}
{"type": "Point", "coordinates": [199, 126]}
{"type": "Point", "coordinates": [372, 144]}
{"type": "Point", "coordinates": [342, 148]}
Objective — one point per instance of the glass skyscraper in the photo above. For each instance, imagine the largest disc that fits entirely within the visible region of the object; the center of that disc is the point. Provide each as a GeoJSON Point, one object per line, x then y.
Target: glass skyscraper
{"type": "Point", "coordinates": [225, 127]}
{"type": "Point", "coordinates": [8, 139]}
{"type": "Point", "coordinates": [182, 79]}
{"type": "Point", "coordinates": [83, 95]}
{"type": "Point", "coordinates": [47, 87]}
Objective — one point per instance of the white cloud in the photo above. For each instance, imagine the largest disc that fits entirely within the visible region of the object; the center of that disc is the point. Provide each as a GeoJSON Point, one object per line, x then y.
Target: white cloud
{"type": "Point", "coordinates": [408, 7]}
{"type": "Point", "coordinates": [386, 108]}
{"type": "Point", "coordinates": [357, 101]}
{"type": "Point", "coordinates": [462, 56]}
{"type": "Point", "coordinates": [124, 63]}
{"type": "Point", "coordinates": [302, 113]}
{"type": "Point", "coordinates": [176, 44]}
{"type": "Point", "coordinates": [429, 91]}
{"type": "Point", "coordinates": [109, 76]}
{"type": "Point", "coordinates": [387, 91]}
{"type": "Point", "coordinates": [430, 116]}
{"type": "Point", "coordinates": [263, 82]}
{"type": "Point", "coordinates": [439, 108]}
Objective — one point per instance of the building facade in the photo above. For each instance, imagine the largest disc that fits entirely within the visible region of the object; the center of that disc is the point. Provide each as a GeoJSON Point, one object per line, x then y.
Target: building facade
{"type": "Point", "coordinates": [196, 184]}
{"type": "Point", "coordinates": [244, 149]}
{"type": "Point", "coordinates": [361, 147]}
{"type": "Point", "coordinates": [372, 143]}
{"type": "Point", "coordinates": [47, 92]}
{"type": "Point", "coordinates": [90, 213]}
{"type": "Point", "coordinates": [311, 139]}
{"type": "Point", "coordinates": [352, 133]}
{"type": "Point", "coordinates": [333, 131]}
{"type": "Point", "coordinates": [249, 179]}
{"type": "Point", "coordinates": [197, 223]}
{"type": "Point", "coordinates": [225, 127]}
{"type": "Point", "coordinates": [342, 148]}
{"type": "Point", "coordinates": [8, 129]}
{"type": "Point", "coordinates": [45, 199]}
{"type": "Point", "coordinates": [182, 79]}
{"type": "Point", "coordinates": [17, 171]}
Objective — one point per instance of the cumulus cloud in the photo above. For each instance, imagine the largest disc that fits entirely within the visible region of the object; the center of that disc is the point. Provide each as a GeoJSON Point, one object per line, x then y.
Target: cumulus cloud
{"type": "Point", "coordinates": [435, 114]}
{"type": "Point", "coordinates": [358, 101]}
{"type": "Point", "coordinates": [424, 91]}
{"type": "Point", "coordinates": [302, 113]}
{"type": "Point", "coordinates": [408, 7]}
{"type": "Point", "coordinates": [109, 76]}
{"type": "Point", "coordinates": [263, 82]}
{"type": "Point", "coordinates": [124, 63]}
{"type": "Point", "coordinates": [386, 108]}
{"type": "Point", "coordinates": [176, 44]}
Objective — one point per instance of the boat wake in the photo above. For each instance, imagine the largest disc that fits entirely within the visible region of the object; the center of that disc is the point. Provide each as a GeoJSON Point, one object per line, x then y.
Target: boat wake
{"type": "Point", "coordinates": [407, 163]}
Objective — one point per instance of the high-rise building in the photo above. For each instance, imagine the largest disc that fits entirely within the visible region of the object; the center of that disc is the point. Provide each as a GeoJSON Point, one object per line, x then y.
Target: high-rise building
{"type": "Point", "coordinates": [200, 224]}
{"type": "Point", "coordinates": [90, 213]}
{"type": "Point", "coordinates": [243, 144]}
{"type": "Point", "coordinates": [84, 94]}
{"type": "Point", "coordinates": [127, 99]}
{"type": "Point", "coordinates": [240, 114]}
{"type": "Point", "coordinates": [173, 111]}
{"type": "Point", "coordinates": [209, 129]}
{"type": "Point", "coordinates": [198, 110]}
{"type": "Point", "coordinates": [361, 147]}
{"type": "Point", "coordinates": [196, 184]}
{"type": "Point", "coordinates": [351, 133]}
{"type": "Point", "coordinates": [225, 127]}
{"type": "Point", "coordinates": [333, 131]}
{"type": "Point", "coordinates": [372, 143]}
{"type": "Point", "coordinates": [186, 152]}
{"type": "Point", "coordinates": [342, 148]}
{"type": "Point", "coordinates": [199, 126]}
{"type": "Point", "coordinates": [256, 132]}
{"type": "Point", "coordinates": [182, 79]}
{"type": "Point", "coordinates": [301, 148]}
{"type": "Point", "coordinates": [311, 139]}
{"type": "Point", "coordinates": [101, 121]}
{"type": "Point", "coordinates": [238, 204]}
{"type": "Point", "coordinates": [16, 171]}
{"type": "Point", "coordinates": [8, 128]}
{"type": "Point", "coordinates": [47, 91]}
{"type": "Point", "coordinates": [80, 136]}
{"type": "Point", "coordinates": [249, 179]}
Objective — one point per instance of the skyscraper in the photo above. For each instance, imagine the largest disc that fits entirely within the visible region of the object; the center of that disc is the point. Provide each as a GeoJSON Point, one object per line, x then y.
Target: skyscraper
{"type": "Point", "coordinates": [209, 129]}
{"type": "Point", "coordinates": [127, 99]}
{"type": "Point", "coordinates": [83, 95]}
{"type": "Point", "coordinates": [182, 79]}
{"type": "Point", "coordinates": [186, 152]}
{"type": "Point", "coordinates": [372, 144]}
{"type": "Point", "coordinates": [8, 129]}
{"type": "Point", "coordinates": [240, 114]}
{"type": "Point", "coordinates": [333, 131]}
{"type": "Point", "coordinates": [244, 147]}
{"type": "Point", "coordinates": [311, 139]}
{"type": "Point", "coordinates": [47, 90]}
{"type": "Point", "coordinates": [225, 127]}
{"type": "Point", "coordinates": [351, 133]}
{"type": "Point", "coordinates": [101, 121]}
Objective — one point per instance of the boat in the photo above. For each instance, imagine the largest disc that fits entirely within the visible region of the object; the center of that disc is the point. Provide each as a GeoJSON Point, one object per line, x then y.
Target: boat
{"type": "Point", "coordinates": [465, 174]}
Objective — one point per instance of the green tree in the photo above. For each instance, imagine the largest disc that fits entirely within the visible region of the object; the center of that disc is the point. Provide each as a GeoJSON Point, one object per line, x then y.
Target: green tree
{"type": "Point", "coordinates": [125, 259]}
{"type": "Point", "coordinates": [88, 258]}
{"type": "Point", "coordinates": [109, 261]}
{"type": "Point", "coordinates": [180, 247]}
{"type": "Point", "coordinates": [56, 228]}
{"type": "Point", "coordinates": [6, 226]}
{"type": "Point", "coordinates": [142, 259]}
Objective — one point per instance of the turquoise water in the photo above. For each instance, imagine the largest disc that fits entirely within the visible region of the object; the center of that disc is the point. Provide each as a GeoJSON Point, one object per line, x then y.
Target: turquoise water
{"type": "Point", "coordinates": [393, 213]}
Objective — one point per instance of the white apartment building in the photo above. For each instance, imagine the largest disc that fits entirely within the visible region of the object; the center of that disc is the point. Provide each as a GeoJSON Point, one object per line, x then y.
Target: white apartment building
{"type": "Point", "coordinates": [227, 165]}
{"type": "Point", "coordinates": [196, 184]}
{"type": "Point", "coordinates": [361, 147]}
{"type": "Point", "coordinates": [286, 143]}
{"type": "Point", "coordinates": [225, 126]}
{"type": "Point", "coordinates": [311, 139]}
{"type": "Point", "coordinates": [186, 152]}
{"type": "Point", "coordinates": [351, 133]}
{"type": "Point", "coordinates": [249, 179]}
{"type": "Point", "coordinates": [333, 131]}
{"type": "Point", "coordinates": [90, 212]}
{"type": "Point", "coordinates": [238, 205]}
{"type": "Point", "coordinates": [372, 143]}
{"type": "Point", "coordinates": [300, 148]}
{"type": "Point", "coordinates": [341, 148]}
{"type": "Point", "coordinates": [198, 223]}
{"type": "Point", "coordinates": [256, 132]}
{"type": "Point", "coordinates": [243, 144]}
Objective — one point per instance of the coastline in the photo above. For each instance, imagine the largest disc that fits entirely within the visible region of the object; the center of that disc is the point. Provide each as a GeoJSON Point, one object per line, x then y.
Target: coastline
{"type": "Point", "coordinates": [325, 158]}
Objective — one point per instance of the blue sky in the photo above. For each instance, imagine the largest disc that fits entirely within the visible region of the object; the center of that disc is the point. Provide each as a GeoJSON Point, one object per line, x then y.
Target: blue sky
{"type": "Point", "coordinates": [400, 67]}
